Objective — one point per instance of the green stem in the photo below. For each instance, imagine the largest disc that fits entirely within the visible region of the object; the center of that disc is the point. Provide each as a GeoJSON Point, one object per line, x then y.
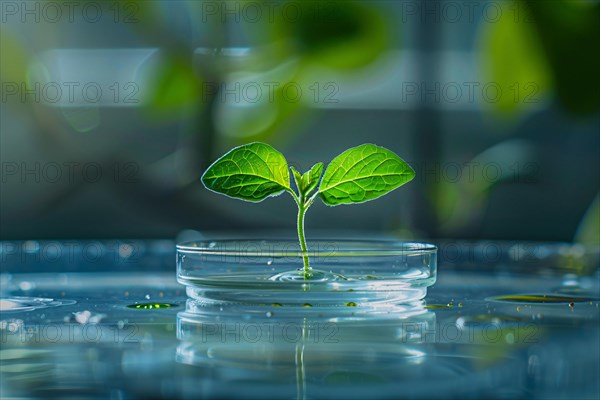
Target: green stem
{"type": "Point", "coordinates": [302, 207]}
{"type": "Point", "coordinates": [301, 213]}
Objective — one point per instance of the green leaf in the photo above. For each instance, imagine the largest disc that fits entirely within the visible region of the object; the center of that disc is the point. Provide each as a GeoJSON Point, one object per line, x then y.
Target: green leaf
{"type": "Point", "coordinates": [297, 178]}
{"type": "Point", "coordinates": [363, 173]}
{"type": "Point", "coordinates": [251, 172]}
{"type": "Point", "coordinates": [310, 179]}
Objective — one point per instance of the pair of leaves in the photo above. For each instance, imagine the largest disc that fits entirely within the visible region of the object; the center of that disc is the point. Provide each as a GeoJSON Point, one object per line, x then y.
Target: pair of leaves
{"type": "Point", "coordinates": [256, 171]}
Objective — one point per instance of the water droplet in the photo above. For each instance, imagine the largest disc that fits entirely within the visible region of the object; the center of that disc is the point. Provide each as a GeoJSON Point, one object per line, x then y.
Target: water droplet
{"type": "Point", "coordinates": [450, 305]}
{"type": "Point", "coordinates": [26, 285]}
{"type": "Point", "coordinates": [161, 294]}
{"type": "Point", "coordinates": [31, 246]}
{"type": "Point", "coordinates": [147, 297]}
{"type": "Point", "coordinates": [306, 305]}
{"type": "Point", "coordinates": [269, 262]}
{"type": "Point", "coordinates": [276, 304]}
{"type": "Point", "coordinates": [125, 250]}
{"type": "Point", "coordinates": [82, 317]}
{"type": "Point", "coordinates": [351, 304]}
{"type": "Point", "coordinates": [519, 308]}
{"type": "Point", "coordinates": [460, 304]}
{"type": "Point", "coordinates": [571, 305]}
{"type": "Point", "coordinates": [212, 245]}
{"type": "Point", "coordinates": [269, 314]}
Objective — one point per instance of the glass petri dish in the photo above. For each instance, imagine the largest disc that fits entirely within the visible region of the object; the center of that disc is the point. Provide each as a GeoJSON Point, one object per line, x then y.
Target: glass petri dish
{"type": "Point", "coordinates": [345, 273]}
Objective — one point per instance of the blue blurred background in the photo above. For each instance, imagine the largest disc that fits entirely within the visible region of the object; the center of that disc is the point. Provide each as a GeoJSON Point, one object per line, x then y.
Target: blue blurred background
{"type": "Point", "coordinates": [111, 111]}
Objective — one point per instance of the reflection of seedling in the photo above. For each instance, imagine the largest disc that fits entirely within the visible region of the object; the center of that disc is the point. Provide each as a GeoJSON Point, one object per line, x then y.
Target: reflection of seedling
{"type": "Point", "coordinates": [255, 171]}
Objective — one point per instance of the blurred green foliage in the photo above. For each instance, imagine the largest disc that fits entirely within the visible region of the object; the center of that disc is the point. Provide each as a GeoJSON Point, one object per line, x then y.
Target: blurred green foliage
{"type": "Point", "coordinates": [569, 32]}
{"type": "Point", "coordinates": [459, 204]}
{"type": "Point", "coordinates": [542, 50]}
{"type": "Point", "coordinates": [14, 59]}
{"type": "Point", "coordinates": [338, 35]}
{"type": "Point", "coordinates": [588, 232]}
{"type": "Point", "coordinates": [513, 58]}
{"type": "Point", "coordinates": [176, 85]}
{"type": "Point", "coordinates": [546, 46]}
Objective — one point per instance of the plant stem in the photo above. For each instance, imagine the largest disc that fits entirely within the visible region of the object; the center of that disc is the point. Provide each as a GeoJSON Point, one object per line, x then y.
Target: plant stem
{"type": "Point", "coordinates": [301, 212]}
{"type": "Point", "coordinates": [302, 207]}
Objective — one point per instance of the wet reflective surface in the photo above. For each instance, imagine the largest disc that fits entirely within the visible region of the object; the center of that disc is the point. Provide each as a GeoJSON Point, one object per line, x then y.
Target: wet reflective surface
{"type": "Point", "coordinates": [122, 327]}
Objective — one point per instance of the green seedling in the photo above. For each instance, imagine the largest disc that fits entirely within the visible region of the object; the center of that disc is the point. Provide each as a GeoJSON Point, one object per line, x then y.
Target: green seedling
{"type": "Point", "coordinates": [255, 171]}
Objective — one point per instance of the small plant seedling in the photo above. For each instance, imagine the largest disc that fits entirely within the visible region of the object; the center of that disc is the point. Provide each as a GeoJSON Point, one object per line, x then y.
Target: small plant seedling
{"type": "Point", "coordinates": [255, 171]}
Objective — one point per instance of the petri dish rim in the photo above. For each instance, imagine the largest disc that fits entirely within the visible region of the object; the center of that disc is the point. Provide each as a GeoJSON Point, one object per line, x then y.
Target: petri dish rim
{"type": "Point", "coordinates": [346, 247]}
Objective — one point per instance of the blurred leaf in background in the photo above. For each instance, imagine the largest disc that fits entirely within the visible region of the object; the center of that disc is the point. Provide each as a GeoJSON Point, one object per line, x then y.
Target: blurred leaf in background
{"type": "Point", "coordinates": [176, 84]}
{"type": "Point", "coordinates": [463, 203]}
{"type": "Point", "coordinates": [263, 103]}
{"type": "Point", "coordinates": [569, 32]}
{"type": "Point", "coordinates": [588, 232]}
{"type": "Point", "coordinates": [14, 60]}
{"type": "Point", "coordinates": [513, 58]}
{"type": "Point", "coordinates": [14, 63]}
{"type": "Point", "coordinates": [340, 36]}
{"type": "Point", "coordinates": [541, 47]}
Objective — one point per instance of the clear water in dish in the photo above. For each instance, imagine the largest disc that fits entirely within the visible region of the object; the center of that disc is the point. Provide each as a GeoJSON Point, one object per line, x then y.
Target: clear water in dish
{"type": "Point", "coordinates": [287, 288]}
